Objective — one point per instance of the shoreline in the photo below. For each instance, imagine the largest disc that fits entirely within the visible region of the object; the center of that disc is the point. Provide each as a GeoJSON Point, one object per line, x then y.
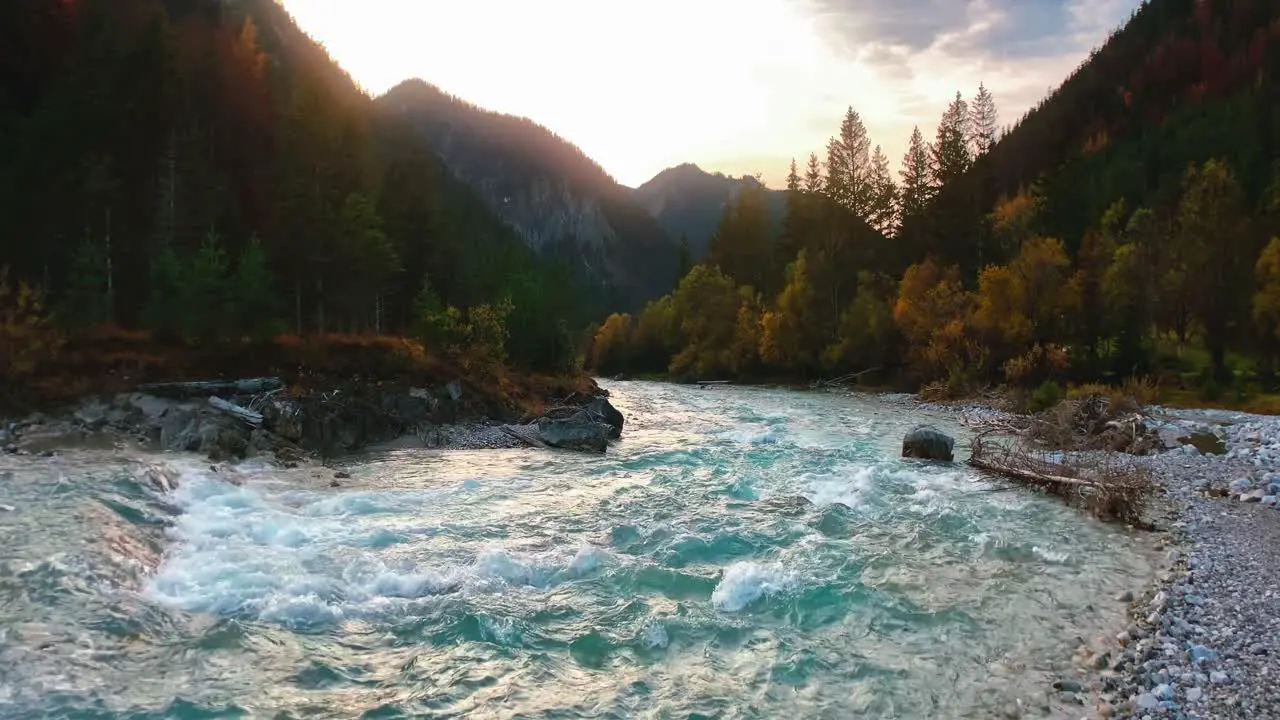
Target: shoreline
{"type": "Point", "coordinates": [1199, 635]}
{"type": "Point", "coordinates": [1193, 641]}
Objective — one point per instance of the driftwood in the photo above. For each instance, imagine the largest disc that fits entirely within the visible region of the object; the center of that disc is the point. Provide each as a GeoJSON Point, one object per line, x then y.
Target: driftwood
{"type": "Point", "coordinates": [836, 382]}
{"type": "Point", "coordinates": [1106, 487]}
{"type": "Point", "coordinates": [248, 417]}
{"type": "Point", "coordinates": [207, 388]}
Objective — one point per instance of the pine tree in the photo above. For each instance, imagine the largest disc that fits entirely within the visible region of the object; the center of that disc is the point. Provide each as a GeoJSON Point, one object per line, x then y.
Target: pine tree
{"type": "Point", "coordinates": [983, 120]}
{"type": "Point", "coordinates": [849, 167]}
{"type": "Point", "coordinates": [85, 302]}
{"type": "Point", "coordinates": [252, 295]}
{"type": "Point", "coordinates": [951, 156]}
{"type": "Point", "coordinates": [813, 175]}
{"type": "Point", "coordinates": [884, 195]}
{"type": "Point", "coordinates": [835, 185]}
{"type": "Point", "coordinates": [917, 188]}
{"type": "Point", "coordinates": [205, 291]}
{"type": "Point", "coordinates": [793, 177]}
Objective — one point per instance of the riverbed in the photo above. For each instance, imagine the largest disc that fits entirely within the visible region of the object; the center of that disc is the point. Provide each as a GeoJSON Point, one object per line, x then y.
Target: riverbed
{"type": "Point", "coordinates": [741, 552]}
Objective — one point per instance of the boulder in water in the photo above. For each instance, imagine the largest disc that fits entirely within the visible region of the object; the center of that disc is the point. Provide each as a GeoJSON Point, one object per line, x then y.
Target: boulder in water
{"type": "Point", "coordinates": [928, 443]}
{"type": "Point", "coordinates": [581, 431]}
{"type": "Point", "coordinates": [608, 414]}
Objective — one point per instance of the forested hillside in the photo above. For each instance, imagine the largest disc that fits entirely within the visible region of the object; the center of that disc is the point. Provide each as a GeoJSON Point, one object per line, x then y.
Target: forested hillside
{"type": "Point", "coordinates": [1119, 229]}
{"type": "Point", "coordinates": [203, 169]}
{"type": "Point", "coordinates": [688, 202]}
{"type": "Point", "coordinates": [561, 202]}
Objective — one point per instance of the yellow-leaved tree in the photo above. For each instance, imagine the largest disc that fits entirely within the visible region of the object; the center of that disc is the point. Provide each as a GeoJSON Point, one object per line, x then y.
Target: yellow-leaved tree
{"type": "Point", "coordinates": [744, 356]}
{"type": "Point", "coordinates": [26, 338]}
{"type": "Point", "coordinates": [612, 347]}
{"type": "Point", "coordinates": [786, 330]}
{"type": "Point", "coordinates": [706, 304]}
{"type": "Point", "coordinates": [932, 311]}
{"type": "Point", "coordinates": [1266, 303]}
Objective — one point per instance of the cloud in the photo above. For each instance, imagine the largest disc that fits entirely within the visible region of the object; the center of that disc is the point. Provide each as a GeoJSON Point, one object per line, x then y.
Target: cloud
{"type": "Point", "coordinates": [733, 85]}
{"type": "Point", "coordinates": [1005, 28]}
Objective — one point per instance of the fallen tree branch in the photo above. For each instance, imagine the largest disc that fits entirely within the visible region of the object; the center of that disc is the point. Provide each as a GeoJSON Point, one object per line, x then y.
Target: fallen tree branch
{"type": "Point", "coordinates": [1109, 489]}
{"type": "Point", "coordinates": [206, 388]}
{"type": "Point", "coordinates": [248, 417]}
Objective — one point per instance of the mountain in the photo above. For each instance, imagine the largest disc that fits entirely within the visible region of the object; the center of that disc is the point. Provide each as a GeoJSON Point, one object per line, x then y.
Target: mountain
{"type": "Point", "coordinates": [561, 203]}
{"type": "Point", "coordinates": [689, 202]}
{"type": "Point", "coordinates": [203, 168]}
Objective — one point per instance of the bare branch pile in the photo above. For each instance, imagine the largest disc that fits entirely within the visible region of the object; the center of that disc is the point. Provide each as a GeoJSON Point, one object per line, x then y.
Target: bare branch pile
{"type": "Point", "coordinates": [1108, 487]}
{"type": "Point", "coordinates": [1095, 422]}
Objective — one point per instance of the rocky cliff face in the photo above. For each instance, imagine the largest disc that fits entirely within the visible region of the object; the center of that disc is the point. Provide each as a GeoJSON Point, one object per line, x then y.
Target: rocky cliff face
{"type": "Point", "coordinates": [560, 202]}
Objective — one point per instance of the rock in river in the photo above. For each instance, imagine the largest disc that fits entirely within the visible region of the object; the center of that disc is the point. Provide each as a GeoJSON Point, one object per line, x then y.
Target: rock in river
{"type": "Point", "coordinates": [608, 414]}
{"type": "Point", "coordinates": [928, 443]}
{"type": "Point", "coordinates": [580, 431]}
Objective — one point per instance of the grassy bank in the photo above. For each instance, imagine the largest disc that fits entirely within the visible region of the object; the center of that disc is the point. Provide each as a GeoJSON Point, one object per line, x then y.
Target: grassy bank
{"type": "Point", "coordinates": [110, 360]}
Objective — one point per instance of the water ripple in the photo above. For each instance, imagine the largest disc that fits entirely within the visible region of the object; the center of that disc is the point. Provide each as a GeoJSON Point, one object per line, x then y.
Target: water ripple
{"type": "Point", "coordinates": [741, 552]}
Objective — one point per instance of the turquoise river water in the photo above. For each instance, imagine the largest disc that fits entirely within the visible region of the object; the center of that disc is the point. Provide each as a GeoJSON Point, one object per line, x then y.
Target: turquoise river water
{"type": "Point", "coordinates": [741, 553]}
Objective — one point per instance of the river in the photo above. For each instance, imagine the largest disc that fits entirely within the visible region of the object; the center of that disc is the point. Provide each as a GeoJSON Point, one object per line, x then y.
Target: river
{"type": "Point", "coordinates": [740, 552]}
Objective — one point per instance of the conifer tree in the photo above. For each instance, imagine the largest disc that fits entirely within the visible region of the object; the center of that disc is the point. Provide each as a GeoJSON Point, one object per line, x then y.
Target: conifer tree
{"type": "Point", "coordinates": [86, 302]}
{"type": "Point", "coordinates": [951, 155]}
{"type": "Point", "coordinates": [253, 297]}
{"type": "Point", "coordinates": [917, 189]}
{"type": "Point", "coordinates": [849, 170]}
{"type": "Point", "coordinates": [793, 177]}
{"type": "Point", "coordinates": [813, 175]}
{"type": "Point", "coordinates": [883, 214]}
{"type": "Point", "coordinates": [983, 120]}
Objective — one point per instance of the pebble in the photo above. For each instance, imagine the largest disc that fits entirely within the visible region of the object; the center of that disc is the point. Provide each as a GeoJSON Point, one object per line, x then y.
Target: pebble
{"type": "Point", "coordinates": [1212, 620]}
{"type": "Point", "coordinates": [1068, 686]}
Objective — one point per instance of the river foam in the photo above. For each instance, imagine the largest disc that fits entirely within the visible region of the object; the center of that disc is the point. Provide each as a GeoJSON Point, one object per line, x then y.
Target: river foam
{"type": "Point", "coordinates": [739, 552]}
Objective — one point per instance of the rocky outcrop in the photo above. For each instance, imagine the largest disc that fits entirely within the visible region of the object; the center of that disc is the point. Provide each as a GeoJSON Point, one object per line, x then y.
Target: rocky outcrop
{"type": "Point", "coordinates": [580, 431]}
{"type": "Point", "coordinates": [604, 411]}
{"type": "Point", "coordinates": [928, 443]}
{"type": "Point", "coordinates": [584, 423]}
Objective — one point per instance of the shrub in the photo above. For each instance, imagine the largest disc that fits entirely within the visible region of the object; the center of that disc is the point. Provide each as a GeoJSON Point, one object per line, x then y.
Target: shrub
{"type": "Point", "coordinates": [26, 338]}
{"type": "Point", "coordinates": [1077, 392]}
{"type": "Point", "coordinates": [1046, 396]}
{"type": "Point", "coordinates": [487, 332]}
{"type": "Point", "coordinates": [1210, 390]}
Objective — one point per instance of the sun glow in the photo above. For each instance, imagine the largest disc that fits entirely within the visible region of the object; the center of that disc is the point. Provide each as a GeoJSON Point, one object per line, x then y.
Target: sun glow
{"type": "Point", "coordinates": [638, 87]}
{"type": "Point", "coordinates": [739, 86]}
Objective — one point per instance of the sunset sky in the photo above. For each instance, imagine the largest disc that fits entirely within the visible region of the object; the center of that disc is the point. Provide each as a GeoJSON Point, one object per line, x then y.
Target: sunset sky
{"type": "Point", "coordinates": [738, 86]}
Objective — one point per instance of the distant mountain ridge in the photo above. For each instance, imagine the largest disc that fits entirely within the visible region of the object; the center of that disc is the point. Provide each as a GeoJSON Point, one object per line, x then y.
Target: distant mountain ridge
{"type": "Point", "coordinates": [562, 203]}
{"type": "Point", "coordinates": [688, 202]}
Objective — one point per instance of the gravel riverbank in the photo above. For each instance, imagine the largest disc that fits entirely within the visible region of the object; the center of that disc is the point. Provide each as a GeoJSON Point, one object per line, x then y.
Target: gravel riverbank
{"type": "Point", "coordinates": [1205, 641]}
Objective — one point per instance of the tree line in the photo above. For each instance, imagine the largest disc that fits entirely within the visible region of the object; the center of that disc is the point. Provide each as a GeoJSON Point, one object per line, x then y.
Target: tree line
{"type": "Point", "coordinates": [204, 170]}
{"type": "Point", "coordinates": [955, 273]}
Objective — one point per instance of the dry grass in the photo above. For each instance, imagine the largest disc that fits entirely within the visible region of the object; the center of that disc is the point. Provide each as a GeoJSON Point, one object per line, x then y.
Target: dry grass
{"type": "Point", "coordinates": [1107, 488]}
{"type": "Point", "coordinates": [110, 360]}
{"type": "Point", "coordinates": [1263, 404]}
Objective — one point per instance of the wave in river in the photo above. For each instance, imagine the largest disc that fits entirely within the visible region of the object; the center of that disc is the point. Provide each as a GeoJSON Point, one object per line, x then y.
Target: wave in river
{"type": "Point", "coordinates": [740, 551]}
